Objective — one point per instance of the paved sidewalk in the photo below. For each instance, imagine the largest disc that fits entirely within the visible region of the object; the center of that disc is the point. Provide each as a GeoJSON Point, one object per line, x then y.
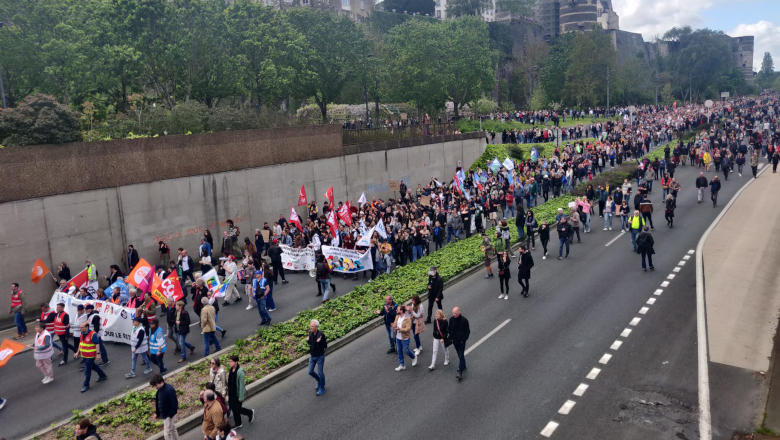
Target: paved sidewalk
{"type": "Point", "coordinates": [741, 278]}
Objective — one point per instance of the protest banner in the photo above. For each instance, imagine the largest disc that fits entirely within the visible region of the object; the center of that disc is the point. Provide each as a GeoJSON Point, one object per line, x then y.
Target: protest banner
{"type": "Point", "coordinates": [297, 259]}
{"type": "Point", "coordinates": [266, 235]}
{"type": "Point", "coordinates": [393, 185]}
{"type": "Point", "coordinates": [425, 200]}
{"type": "Point", "coordinates": [116, 321]}
{"type": "Point", "coordinates": [347, 260]}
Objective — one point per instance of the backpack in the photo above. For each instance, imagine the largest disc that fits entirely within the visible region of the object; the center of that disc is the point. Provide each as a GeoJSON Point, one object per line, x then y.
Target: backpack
{"type": "Point", "coordinates": [321, 272]}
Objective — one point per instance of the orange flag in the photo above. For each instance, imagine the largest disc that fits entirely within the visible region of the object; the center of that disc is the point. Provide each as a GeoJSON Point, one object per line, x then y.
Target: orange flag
{"type": "Point", "coordinates": [8, 349]}
{"type": "Point", "coordinates": [157, 291]}
{"type": "Point", "coordinates": [39, 270]}
{"type": "Point", "coordinates": [140, 276]}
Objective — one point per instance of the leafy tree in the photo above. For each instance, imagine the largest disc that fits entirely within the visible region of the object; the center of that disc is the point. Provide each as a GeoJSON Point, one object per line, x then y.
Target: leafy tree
{"type": "Point", "coordinates": [633, 83]}
{"type": "Point", "coordinates": [410, 6]}
{"type": "Point", "coordinates": [767, 74]}
{"type": "Point", "coordinates": [461, 8]}
{"type": "Point", "coordinates": [39, 119]}
{"type": "Point", "coordinates": [776, 85]}
{"type": "Point", "coordinates": [531, 67]}
{"type": "Point", "coordinates": [591, 55]}
{"type": "Point", "coordinates": [553, 77]}
{"type": "Point", "coordinates": [334, 49]}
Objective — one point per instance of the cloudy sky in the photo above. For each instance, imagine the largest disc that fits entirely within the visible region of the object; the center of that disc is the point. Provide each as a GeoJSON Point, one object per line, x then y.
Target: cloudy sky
{"type": "Point", "coordinates": [760, 18]}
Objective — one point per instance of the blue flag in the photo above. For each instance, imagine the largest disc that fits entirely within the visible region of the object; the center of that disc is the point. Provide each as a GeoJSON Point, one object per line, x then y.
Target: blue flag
{"type": "Point", "coordinates": [124, 292]}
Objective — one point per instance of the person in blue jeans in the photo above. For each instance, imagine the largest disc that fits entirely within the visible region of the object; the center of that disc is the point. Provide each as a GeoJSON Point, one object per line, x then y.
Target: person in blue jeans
{"type": "Point", "coordinates": [140, 347]}
{"type": "Point", "coordinates": [88, 350]}
{"type": "Point", "coordinates": [417, 249]}
{"type": "Point", "coordinates": [317, 345]}
{"type": "Point", "coordinates": [182, 329]}
{"type": "Point", "coordinates": [208, 325]}
{"type": "Point", "coordinates": [260, 290]}
{"type": "Point", "coordinates": [388, 311]}
{"type": "Point", "coordinates": [18, 308]}
{"type": "Point", "coordinates": [403, 335]}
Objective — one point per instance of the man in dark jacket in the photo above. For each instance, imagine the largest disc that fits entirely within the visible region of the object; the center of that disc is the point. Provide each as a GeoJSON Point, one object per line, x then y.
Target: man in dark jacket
{"type": "Point", "coordinates": [459, 334]}
{"type": "Point", "coordinates": [166, 405]}
{"type": "Point", "coordinates": [644, 243]}
{"type": "Point", "coordinates": [714, 188]}
{"type": "Point", "coordinates": [389, 312]}
{"type": "Point", "coordinates": [182, 330]}
{"type": "Point", "coordinates": [564, 234]}
{"type": "Point", "coordinates": [132, 257]}
{"type": "Point", "coordinates": [435, 291]}
{"type": "Point", "coordinates": [701, 184]}
{"type": "Point", "coordinates": [275, 253]}
{"type": "Point", "coordinates": [317, 345]}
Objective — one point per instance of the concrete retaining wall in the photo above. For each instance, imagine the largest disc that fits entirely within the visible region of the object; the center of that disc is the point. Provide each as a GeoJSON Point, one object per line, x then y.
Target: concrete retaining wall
{"type": "Point", "coordinates": [100, 223]}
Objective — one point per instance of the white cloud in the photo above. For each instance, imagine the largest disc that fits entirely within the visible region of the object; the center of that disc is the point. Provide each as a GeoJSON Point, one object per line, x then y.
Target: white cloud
{"type": "Point", "coordinates": [652, 18]}
{"type": "Point", "coordinates": [767, 39]}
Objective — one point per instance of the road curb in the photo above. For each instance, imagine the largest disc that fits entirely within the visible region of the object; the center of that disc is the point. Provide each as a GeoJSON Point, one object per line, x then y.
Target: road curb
{"type": "Point", "coordinates": [705, 415]}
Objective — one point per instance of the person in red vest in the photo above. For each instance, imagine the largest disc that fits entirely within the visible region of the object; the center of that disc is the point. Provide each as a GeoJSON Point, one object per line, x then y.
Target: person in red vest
{"type": "Point", "coordinates": [47, 318]}
{"type": "Point", "coordinates": [18, 309]}
{"type": "Point", "coordinates": [62, 330]}
{"type": "Point", "coordinates": [88, 349]}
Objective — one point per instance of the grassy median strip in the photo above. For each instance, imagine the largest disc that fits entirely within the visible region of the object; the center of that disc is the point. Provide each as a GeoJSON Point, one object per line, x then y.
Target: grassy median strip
{"type": "Point", "coordinates": [281, 344]}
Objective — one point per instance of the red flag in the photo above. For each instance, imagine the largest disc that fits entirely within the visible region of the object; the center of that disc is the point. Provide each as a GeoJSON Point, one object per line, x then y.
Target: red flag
{"type": "Point", "coordinates": [349, 205]}
{"type": "Point", "coordinates": [141, 276]}
{"type": "Point", "coordinates": [172, 287]}
{"type": "Point", "coordinates": [329, 196]}
{"type": "Point", "coordinates": [294, 219]}
{"type": "Point", "coordinates": [457, 183]}
{"type": "Point", "coordinates": [302, 196]}
{"type": "Point", "coordinates": [334, 229]}
{"type": "Point", "coordinates": [157, 292]}
{"type": "Point", "coordinates": [345, 216]}
{"type": "Point", "coordinates": [81, 279]}
{"type": "Point", "coordinates": [39, 270]}
{"type": "Point", "coordinates": [8, 349]}
{"type": "Point", "coordinates": [675, 104]}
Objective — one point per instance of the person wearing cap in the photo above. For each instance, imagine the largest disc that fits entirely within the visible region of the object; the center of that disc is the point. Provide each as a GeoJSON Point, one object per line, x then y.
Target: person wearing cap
{"type": "Point", "coordinates": [94, 321]}
{"type": "Point", "coordinates": [275, 253]}
{"type": "Point", "coordinates": [435, 291]}
{"type": "Point", "coordinates": [139, 346]}
{"type": "Point", "coordinates": [88, 351]}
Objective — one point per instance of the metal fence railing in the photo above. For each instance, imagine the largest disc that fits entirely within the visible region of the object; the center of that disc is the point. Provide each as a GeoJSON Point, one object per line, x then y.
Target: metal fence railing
{"type": "Point", "coordinates": [367, 135]}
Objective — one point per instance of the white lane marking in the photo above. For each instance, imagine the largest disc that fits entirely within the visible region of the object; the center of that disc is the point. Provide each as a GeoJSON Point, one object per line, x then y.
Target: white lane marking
{"type": "Point", "coordinates": [690, 252]}
{"type": "Point", "coordinates": [567, 407]}
{"type": "Point", "coordinates": [625, 333]}
{"type": "Point", "coordinates": [580, 390]}
{"type": "Point", "coordinates": [761, 165]}
{"type": "Point", "coordinates": [682, 263]}
{"type": "Point", "coordinates": [193, 325]}
{"type": "Point", "coordinates": [665, 284]}
{"type": "Point", "coordinates": [635, 321]}
{"type": "Point", "coordinates": [670, 276]}
{"type": "Point", "coordinates": [604, 359]}
{"type": "Point", "coordinates": [687, 257]}
{"type": "Point", "coordinates": [493, 332]}
{"type": "Point", "coordinates": [614, 239]}
{"type": "Point", "coordinates": [658, 292]}
{"type": "Point", "coordinates": [549, 429]}
{"type": "Point", "coordinates": [594, 373]}
{"type": "Point", "coordinates": [615, 345]}
{"type": "Point", "coordinates": [676, 269]}
{"type": "Point", "coordinates": [643, 310]}
{"type": "Point", "coordinates": [651, 301]}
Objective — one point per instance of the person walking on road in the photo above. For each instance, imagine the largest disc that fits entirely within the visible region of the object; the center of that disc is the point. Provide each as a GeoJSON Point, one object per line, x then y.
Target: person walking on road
{"type": "Point", "coordinates": [645, 243]}
{"type": "Point", "coordinates": [139, 346]}
{"type": "Point", "coordinates": [435, 291]}
{"type": "Point", "coordinates": [623, 210]}
{"type": "Point", "coordinates": [212, 415]}
{"type": "Point", "coordinates": [504, 274]}
{"type": "Point", "coordinates": [574, 222]}
{"type": "Point", "coordinates": [43, 351]}
{"type": "Point", "coordinates": [62, 330]}
{"type": "Point", "coordinates": [714, 188]}
{"type": "Point", "coordinates": [524, 265]}
{"type": "Point", "coordinates": [388, 312]}
{"type": "Point", "coordinates": [725, 165]}
{"type": "Point", "coordinates": [317, 345]}
{"type": "Point", "coordinates": [459, 334]}
{"type": "Point", "coordinates": [636, 222]}
{"type": "Point", "coordinates": [669, 210]}
{"type": "Point", "coordinates": [544, 237]}
{"type": "Point", "coordinates": [418, 324]}
{"type": "Point", "coordinates": [218, 375]}
{"type": "Point", "coordinates": [182, 330]}
{"type": "Point", "coordinates": [403, 333]}
{"type": "Point", "coordinates": [440, 338]}
{"type": "Point", "coordinates": [88, 349]}
{"type": "Point", "coordinates": [530, 226]}
{"type": "Point", "coordinates": [18, 309]}
{"type": "Point", "coordinates": [646, 208]}
{"type": "Point", "coordinates": [166, 406]}
{"type": "Point", "coordinates": [701, 185]}
{"type": "Point", "coordinates": [754, 163]}
{"type": "Point", "coordinates": [564, 236]}
{"type": "Point", "coordinates": [157, 345]}
{"type": "Point", "coordinates": [609, 213]}
{"type": "Point", "coordinates": [208, 325]}
{"type": "Point", "coordinates": [237, 392]}
{"type": "Point", "coordinates": [775, 160]}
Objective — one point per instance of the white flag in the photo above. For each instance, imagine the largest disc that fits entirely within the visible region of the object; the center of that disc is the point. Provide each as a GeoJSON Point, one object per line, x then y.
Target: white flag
{"type": "Point", "coordinates": [508, 164]}
{"type": "Point", "coordinates": [363, 229]}
{"type": "Point", "coordinates": [365, 240]}
{"type": "Point", "coordinates": [362, 200]}
{"type": "Point", "coordinates": [380, 228]}
{"type": "Point", "coordinates": [437, 182]}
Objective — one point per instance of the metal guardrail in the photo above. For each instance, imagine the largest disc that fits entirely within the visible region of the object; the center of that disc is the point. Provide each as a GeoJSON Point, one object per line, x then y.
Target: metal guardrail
{"type": "Point", "coordinates": [367, 135]}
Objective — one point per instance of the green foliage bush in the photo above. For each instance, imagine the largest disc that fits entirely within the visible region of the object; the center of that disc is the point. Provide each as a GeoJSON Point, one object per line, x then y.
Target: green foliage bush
{"type": "Point", "coordinates": [39, 119]}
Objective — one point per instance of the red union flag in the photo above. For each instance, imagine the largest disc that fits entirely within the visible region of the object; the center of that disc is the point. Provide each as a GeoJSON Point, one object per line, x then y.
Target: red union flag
{"type": "Point", "coordinates": [294, 219]}
{"type": "Point", "coordinates": [302, 196]}
{"type": "Point", "coordinates": [332, 223]}
{"type": "Point", "coordinates": [329, 196]}
{"type": "Point", "coordinates": [345, 215]}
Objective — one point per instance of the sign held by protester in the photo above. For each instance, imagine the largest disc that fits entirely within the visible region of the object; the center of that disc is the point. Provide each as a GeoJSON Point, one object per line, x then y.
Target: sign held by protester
{"type": "Point", "coordinates": [393, 185]}
{"type": "Point", "coordinates": [425, 200]}
{"type": "Point", "coordinates": [297, 259]}
{"type": "Point", "coordinates": [347, 260]}
{"type": "Point", "coordinates": [116, 322]}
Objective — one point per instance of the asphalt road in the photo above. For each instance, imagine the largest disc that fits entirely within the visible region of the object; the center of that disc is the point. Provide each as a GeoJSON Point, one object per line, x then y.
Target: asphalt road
{"type": "Point", "coordinates": [520, 377]}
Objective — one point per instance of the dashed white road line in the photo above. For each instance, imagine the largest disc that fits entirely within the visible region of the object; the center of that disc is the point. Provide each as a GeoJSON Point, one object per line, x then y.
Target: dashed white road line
{"type": "Point", "coordinates": [549, 429]}
{"type": "Point", "coordinates": [625, 333]}
{"type": "Point", "coordinates": [651, 301]}
{"type": "Point", "coordinates": [658, 292]}
{"type": "Point", "coordinates": [604, 359]}
{"type": "Point", "coordinates": [643, 310]}
{"type": "Point", "coordinates": [665, 284]}
{"type": "Point", "coordinates": [670, 276]}
{"type": "Point", "coordinates": [687, 257]}
{"type": "Point", "coordinates": [635, 321]}
{"type": "Point", "coordinates": [691, 252]}
{"type": "Point", "coordinates": [594, 373]}
{"type": "Point", "coordinates": [567, 407]}
{"type": "Point", "coordinates": [676, 269]}
{"type": "Point", "coordinates": [580, 390]}
{"type": "Point", "coordinates": [615, 345]}
{"type": "Point", "coordinates": [615, 239]}
{"type": "Point", "coordinates": [493, 332]}
{"type": "Point", "coordinates": [682, 263]}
